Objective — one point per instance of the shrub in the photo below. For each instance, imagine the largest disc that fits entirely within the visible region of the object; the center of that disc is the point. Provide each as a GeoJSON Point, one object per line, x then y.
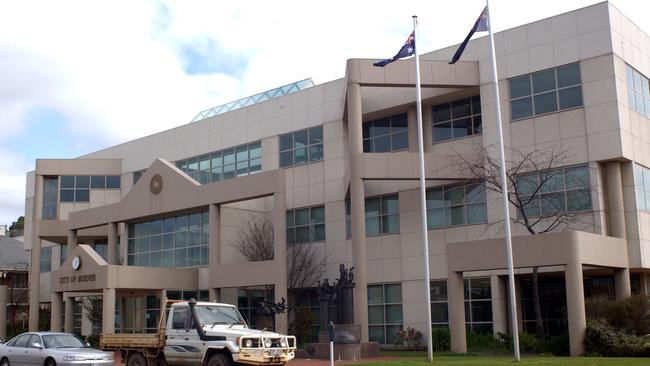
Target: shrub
{"type": "Point", "coordinates": [602, 339]}
{"type": "Point", "coordinates": [441, 339]}
{"type": "Point", "coordinates": [301, 325]}
{"type": "Point", "coordinates": [486, 343]}
{"type": "Point", "coordinates": [410, 337]}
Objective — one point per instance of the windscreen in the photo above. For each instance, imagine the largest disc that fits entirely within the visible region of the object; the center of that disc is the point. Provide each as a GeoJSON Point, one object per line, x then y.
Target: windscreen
{"type": "Point", "coordinates": [214, 315]}
{"type": "Point", "coordinates": [62, 341]}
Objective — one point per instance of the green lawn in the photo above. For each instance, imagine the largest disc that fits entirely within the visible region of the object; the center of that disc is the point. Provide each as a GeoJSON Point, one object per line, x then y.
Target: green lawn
{"type": "Point", "coordinates": [419, 359]}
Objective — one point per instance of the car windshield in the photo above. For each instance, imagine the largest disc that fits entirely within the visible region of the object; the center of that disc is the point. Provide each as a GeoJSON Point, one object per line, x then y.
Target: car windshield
{"type": "Point", "coordinates": [62, 341]}
{"type": "Point", "coordinates": [213, 315]}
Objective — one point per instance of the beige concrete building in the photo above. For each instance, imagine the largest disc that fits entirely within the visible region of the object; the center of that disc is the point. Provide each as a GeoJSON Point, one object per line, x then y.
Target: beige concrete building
{"type": "Point", "coordinates": [334, 166]}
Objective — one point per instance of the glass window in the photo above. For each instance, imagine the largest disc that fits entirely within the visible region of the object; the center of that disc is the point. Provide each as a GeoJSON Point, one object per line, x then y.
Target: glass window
{"type": "Point", "coordinates": [638, 91]}
{"type": "Point", "coordinates": [552, 90]}
{"type": "Point", "coordinates": [439, 310]}
{"type": "Point", "coordinates": [478, 305]}
{"type": "Point", "coordinates": [46, 259]}
{"type": "Point", "coordinates": [98, 181]}
{"type": "Point", "coordinates": [301, 147]}
{"type": "Point", "coordinates": [113, 181]}
{"type": "Point", "coordinates": [642, 187]}
{"type": "Point", "coordinates": [50, 193]}
{"type": "Point", "coordinates": [386, 134]}
{"type": "Point", "coordinates": [224, 164]}
{"type": "Point", "coordinates": [384, 312]}
{"type": "Point", "coordinates": [382, 216]}
{"type": "Point", "coordinates": [306, 225]}
{"type": "Point", "coordinates": [456, 205]}
{"type": "Point", "coordinates": [137, 175]}
{"type": "Point", "coordinates": [464, 119]}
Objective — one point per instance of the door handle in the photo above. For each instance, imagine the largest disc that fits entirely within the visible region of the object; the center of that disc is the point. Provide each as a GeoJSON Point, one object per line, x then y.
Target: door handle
{"type": "Point", "coordinates": [187, 339]}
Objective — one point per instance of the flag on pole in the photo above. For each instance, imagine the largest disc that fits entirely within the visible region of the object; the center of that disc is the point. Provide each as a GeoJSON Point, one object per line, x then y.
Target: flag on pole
{"type": "Point", "coordinates": [407, 50]}
{"type": "Point", "coordinates": [481, 25]}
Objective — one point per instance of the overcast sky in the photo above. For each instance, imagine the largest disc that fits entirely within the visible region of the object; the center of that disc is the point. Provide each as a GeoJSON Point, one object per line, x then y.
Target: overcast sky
{"type": "Point", "coordinates": [78, 76]}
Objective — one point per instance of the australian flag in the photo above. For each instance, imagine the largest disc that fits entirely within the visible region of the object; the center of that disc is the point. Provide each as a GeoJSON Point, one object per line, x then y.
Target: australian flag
{"type": "Point", "coordinates": [407, 50]}
{"type": "Point", "coordinates": [481, 25]}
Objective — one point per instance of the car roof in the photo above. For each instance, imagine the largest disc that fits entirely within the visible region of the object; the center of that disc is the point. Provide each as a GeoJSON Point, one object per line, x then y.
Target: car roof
{"type": "Point", "coordinates": [47, 333]}
{"type": "Point", "coordinates": [202, 303]}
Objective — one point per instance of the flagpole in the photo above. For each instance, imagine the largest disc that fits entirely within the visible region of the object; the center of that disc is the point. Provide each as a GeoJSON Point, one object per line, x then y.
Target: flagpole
{"type": "Point", "coordinates": [423, 198]}
{"type": "Point", "coordinates": [504, 188]}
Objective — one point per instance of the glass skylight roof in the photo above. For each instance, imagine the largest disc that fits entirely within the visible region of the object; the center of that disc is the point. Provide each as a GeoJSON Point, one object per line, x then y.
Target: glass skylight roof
{"type": "Point", "coordinates": [260, 97]}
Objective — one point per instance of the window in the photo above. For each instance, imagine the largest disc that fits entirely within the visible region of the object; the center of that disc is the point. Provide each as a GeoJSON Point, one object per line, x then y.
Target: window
{"type": "Point", "coordinates": [181, 318]}
{"type": "Point", "coordinates": [177, 241]}
{"type": "Point", "coordinates": [642, 186]}
{"type": "Point", "coordinates": [46, 259]}
{"type": "Point", "coordinates": [76, 188]}
{"type": "Point", "coordinates": [439, 307]}
{"type": "Point", "coordinates": [382, 216]}
{"type": "Point", "coordinates": [50, 197]}
{"type": "Point", "coordinates": [137, 174]}
{"type": "Point", "coordinates": [552, 300]}
{"type": "Point", "coordinates": [64, 253]}
{"type": "Point", "coordinates": [478, 305]}
{"type": "Point", "coordinates": [384, 313]}
{"type": "Point", "coordinates": [456, 205]}
{"type": "Point", "coordinates": [558, 190]}
{"type": "Point", "coordinates": [306, 225]}
{"type": "Point", "coordinates": [301, 147]}
{"type": "Point", "coordinates": [101, 247]}
{"type": "Point", "coordinates": [248, 300]}
{"type": "Point", "coordinates": [77, 315]}
{"type": "Point", "coordinates": [457, 119]}
{"type": "Point", "coordinates": [224, 164]}
{"type": "Point", "coordinates": [638, 91]}
{"type": "Point", "coordinates": [306, 300]}
{"type": "Point", "coordinates": [386, 134]}
{"type": "Point", "coordinates": [545, 91]}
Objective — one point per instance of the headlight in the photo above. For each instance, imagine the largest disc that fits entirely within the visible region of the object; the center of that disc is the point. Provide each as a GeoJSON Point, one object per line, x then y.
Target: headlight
{"type": "Point", "coordinates": [283, 342]}
{"type": "Point", "coordinates": [108, 357]}
{"type": "Point", "coordinates": [248, 343]}
{"type": "Point", "coordinates": [268, 343]}
{"type": "Point", "coordinates": [74, 358]}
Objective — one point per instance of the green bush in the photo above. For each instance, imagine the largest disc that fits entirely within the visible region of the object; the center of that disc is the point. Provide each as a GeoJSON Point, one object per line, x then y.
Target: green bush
{"type": "Point", "coordinates": [301, 326]}
{"type": "Point", "coordinates": [441, 339]}
{"type": "Point", "coordinates": [487, 343]}
{"type": "Point", "coordinates": [604, 340]}
{"type": "Point", "coordinates": [409, 337]}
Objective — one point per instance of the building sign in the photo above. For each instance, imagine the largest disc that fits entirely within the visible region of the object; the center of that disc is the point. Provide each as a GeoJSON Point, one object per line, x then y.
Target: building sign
{"type": "Point", "coordinates": [80, 278]}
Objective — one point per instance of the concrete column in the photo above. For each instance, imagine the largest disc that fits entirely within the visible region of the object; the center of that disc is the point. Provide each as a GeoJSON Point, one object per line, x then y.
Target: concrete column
{"type": "Point", "coordinates": [456, 306]}
{"type": "Point", "coordinates": [124, 244]}
{"type": "Point", "coordinates": [4, 300]}
{"type": "Point", "coordinates": [213, 295]}
{"type": "Point", "coordinates": [427, 128]}
{"type": "Point", "coordinates": [643, 284]}
{"type": "Point", "coordinates": [280, 252]}
{"type": "Point", "coordinates": [412, 117]}
{"type": "Point", "coordinates": [622, 283]}
{"type": "Point", "coordinates": [72, 240]}
{"type": "Point", "coordinates": [69, 315]}
{"type": "Point", "coordinates": [108, 311]}
{"type": "Point", "coordinates": [357, 205]}
{"type": "Point", "coordinates": [35, 283]}
{"type": "Point", "coordinates": [55, 311]}
{"type": "Point", "coordinates": [575, 301]}
{"type": "Point", "coordinates": [499, 304]}
{"type": "Point", "coordinates": [615, 205]}
{"type": "Point", "coordinates": [113, 256]}
{"type": "Point", "coordinates": [214, 229]}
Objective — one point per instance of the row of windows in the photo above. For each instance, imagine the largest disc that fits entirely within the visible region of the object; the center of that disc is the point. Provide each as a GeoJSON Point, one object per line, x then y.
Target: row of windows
{"type": "Point", "coordinates": [224, 164]}
{"type": "Point", "coordinates": [76, 188]}
{"type": "Point", "coordinates": [386, 134]}
{"type": "Point", "coordinates": [638, 91]}
{"type": "Point", "coordinates": [382, 215]}
{"type": "Point", "coordinates": [301, 147]}
{"type": "Point", "coordinates": [177, 241]}
{"type": "Point", "coordinates": [457, 119]}
{"type": "Point", "coordinates": [306, 225]}
{"type": "Point", "coordinates": [456, 205]}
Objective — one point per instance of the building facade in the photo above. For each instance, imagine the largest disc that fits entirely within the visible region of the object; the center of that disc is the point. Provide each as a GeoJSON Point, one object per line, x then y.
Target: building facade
{"type": "Point", "coordinates": [334, 166]}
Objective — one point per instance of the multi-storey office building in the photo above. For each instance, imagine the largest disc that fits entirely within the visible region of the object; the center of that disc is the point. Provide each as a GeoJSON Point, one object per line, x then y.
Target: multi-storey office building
{"type": "Point", "coordinates": [334, 166]}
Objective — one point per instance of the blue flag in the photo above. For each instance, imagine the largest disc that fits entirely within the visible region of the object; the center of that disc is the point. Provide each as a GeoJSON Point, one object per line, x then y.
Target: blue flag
{"type": "Point", "coordinates": [481, 25]}
{"type": "Point", "coordinates": [407, 50]}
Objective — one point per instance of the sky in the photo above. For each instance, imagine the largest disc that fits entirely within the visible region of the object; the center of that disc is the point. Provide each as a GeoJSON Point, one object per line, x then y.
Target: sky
{"type": "Point", "coordinates": [79, 76]}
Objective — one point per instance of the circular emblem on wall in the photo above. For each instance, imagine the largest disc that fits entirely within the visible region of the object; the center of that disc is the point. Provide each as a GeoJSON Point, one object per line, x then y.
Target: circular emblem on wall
{"type": "Point", "coordinates": [76, 262]}
{"type": "Point", "coordinates": [156, 184]}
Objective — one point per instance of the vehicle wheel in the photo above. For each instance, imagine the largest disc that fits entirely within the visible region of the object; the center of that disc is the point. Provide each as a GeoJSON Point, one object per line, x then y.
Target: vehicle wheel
{"type": "Point", "coordinates": [136, 359]}
{"type": "Point", "coordinates": [50, 362]}
{"type": "Point", "coordinates": [220, 359]}
{"type": "Point", "coordinates": [4, 362]}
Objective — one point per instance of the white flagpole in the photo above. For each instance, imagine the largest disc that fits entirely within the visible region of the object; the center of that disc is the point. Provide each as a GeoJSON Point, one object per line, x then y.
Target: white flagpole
{"type": "Point", "coordinates": [504, 188]}
{"type": "Point", "coordinates": [423, 197]}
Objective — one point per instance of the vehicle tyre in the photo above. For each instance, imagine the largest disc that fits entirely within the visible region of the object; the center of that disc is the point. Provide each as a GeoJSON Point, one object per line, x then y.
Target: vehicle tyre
{"type": "Point", "coordinates": [220, 359]}
{"type": "Point", "coordinates": [136, 359]}
{"type": "Point", "coordinates": [5, 362]}
{"type": "Point", "coordinates": [50, 362]}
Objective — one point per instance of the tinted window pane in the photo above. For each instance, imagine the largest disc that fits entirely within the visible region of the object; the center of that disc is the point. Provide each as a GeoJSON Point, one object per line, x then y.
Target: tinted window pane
{"type": "Point", "coordinates": [568, 75]}
{"type": "Point", "coordinates": [380, 127]}
{"type": "Point", "coordinates": [316, 135]}
{"type": "Point", "coordinates": [442, 131]}
{"type": "Point", "coordinates": [113, 181]}
{"type": "Point", "coordinates": [229, 156]}
{"type": "Point", "coordinates": [375, 295]}
{"type": "Point", "coordinates": [461, 108]}
{"type": "Point", "coordinates": [300, 156]}
{"type": "Point", "coordinates": [381, 144]}
{"type": "Point", "coordinates": [300, 138]}
{"type": "Point", "coordinates": [477, 123]}
{"type": "Point", "coordinates": [578, 200]}
{"type": "Point", "coordinates": [373, 226]}
{"type": "Point", "coordinates": [242, 153]}
{"type": "Point", "coordinates": [519, 86]}
{"type": "Point", "coordinates": [66, 195]}
{"type": "Point", "coordinates": [545, 103]}
{"type": "Point", "coordinates": [544, 81]}
{"type": "Point", "coordinates": [255, 150]}
{"type": "Point", "coordinates": [286, 142]}
{"type": "Point", "coordinates": [316, 152]}
{"type": "Point", "coordinates": [286, 158]}
{"type": "Point", "coordinates": [476, 214]}
{"type": "Point", "coordinates": [571, 97]}
{"type": "Point", "coordinates": [399, 122]}
{"type": "Point", "coordinates": [476, 104]}
{"type": "Point", "coordinates": [552, 203]}
{"type": "Point", "coordinates": [67, 181]}
{"type": "Point", "coordinates": [521, 108]}
{"type": "Point", "coordinates": [441, 113]}
{"type": "Point", "coordinates": [400, 141]}
{"type": "Point", "coordinates": [82, 181]}
{"type": "Point", "coordinates": [577, 177]}
{"type": "Point", "coordinates": [462, 127]}
{"type": "Point", "coordinates": [82, 195]}
{"type": "Point", "coordinates": [97, 181]}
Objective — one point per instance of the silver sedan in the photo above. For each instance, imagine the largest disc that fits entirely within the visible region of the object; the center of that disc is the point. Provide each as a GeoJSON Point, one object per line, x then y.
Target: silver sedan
{"type": "Point", "coordinates": [51, 349]}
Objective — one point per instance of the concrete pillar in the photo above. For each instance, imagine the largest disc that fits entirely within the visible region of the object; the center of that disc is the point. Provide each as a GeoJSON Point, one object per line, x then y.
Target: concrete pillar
{"type": "Point", "coordinates": [34, 283]}
{"type": "Point", "coordinates": [108, 311]}
{"type": "Point", "coordinates": [72, 240]}
{"type": "Point", "coordinates": [280, 252]}
{"type": "Point", "coordinates": [214, 229]}
{"type": "Point", "coordinates": [4, 300]}
{"type": "Point", "coordinates": [55, 311]}
{"type": "Point", "coordinates": [357, 205]}
{"type": "Point", "coordinates": [113, 255]}
{"type": "Point", "coordinates": [213, 295]}
{"type": "Point", "coordinates": [456, 309]}
{"type": "Point", "coordinates": [412, 118]}
{"type": "Point", "coordinates": [124, 244]}
{"type": "Point", "coordinates": [643, 284]}
{"type": "Point", "coordinates": [622, 283]}
{"type": "Point", "coordinates": [575, 302]}
{"type": "Point", "coordinates": [615, 205]}
{"type": "Point", "coordinates": [427, 128]}
{"type": "Point", "coordinates": [69, 315]}
{"type": "Point", "coordinates": [499, 304]}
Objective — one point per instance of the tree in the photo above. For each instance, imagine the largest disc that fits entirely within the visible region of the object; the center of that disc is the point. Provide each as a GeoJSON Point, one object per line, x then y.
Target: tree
{"type": "Point", "coordinates": [92, 308]}
{"type": "Point", "coordinates": [17, 225]}
{"type": "Point", "coordinates": [529, 176]}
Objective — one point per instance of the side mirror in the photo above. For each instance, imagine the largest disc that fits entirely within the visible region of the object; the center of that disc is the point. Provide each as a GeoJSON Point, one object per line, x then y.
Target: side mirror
{"type": "Point", "coordinates": [86, 344]}
{"type": "Point", "coordinates": [36, 345]}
